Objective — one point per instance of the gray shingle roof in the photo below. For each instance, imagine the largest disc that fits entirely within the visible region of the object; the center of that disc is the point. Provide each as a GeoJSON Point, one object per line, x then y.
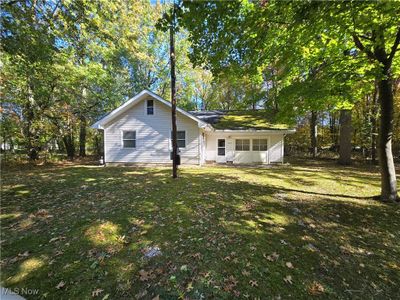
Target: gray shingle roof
{"type": "Point", "coordinates": [209, 116]}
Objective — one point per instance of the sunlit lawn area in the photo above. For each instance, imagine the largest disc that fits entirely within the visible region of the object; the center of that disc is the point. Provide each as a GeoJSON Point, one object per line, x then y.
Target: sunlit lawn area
{"type": "Point", "coordinates": [291, 231]}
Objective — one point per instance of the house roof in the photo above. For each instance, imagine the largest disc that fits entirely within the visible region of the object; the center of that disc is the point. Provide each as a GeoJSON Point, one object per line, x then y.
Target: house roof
{"type": "Point", "coordinates": [254, 120]}
{"type": "Point", "coordinates": [131, 102]}
{"type": "Point", "coordinates": [241, 120]}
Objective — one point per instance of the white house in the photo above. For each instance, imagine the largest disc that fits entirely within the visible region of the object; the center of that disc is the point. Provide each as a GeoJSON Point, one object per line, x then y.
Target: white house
{"type": "Point", "coordinates": [139, 131]}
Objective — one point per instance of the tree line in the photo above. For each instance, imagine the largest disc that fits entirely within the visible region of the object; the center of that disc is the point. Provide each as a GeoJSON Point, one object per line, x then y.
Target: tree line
{"type": "Point", "coordinates": [329, 67]}
{"type": "Point", "coordinates": [67, 63]}
{"type": "Point", "coordinates": [319, 54]}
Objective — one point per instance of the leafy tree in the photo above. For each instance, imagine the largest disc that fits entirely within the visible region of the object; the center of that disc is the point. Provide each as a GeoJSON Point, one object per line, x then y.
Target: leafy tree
{"type": "Point", "coordinates": [28, 45]}
{"type": "Point", "coordinates": [65, 64]}
{"type": "Point", "coordinates": [324, 51]}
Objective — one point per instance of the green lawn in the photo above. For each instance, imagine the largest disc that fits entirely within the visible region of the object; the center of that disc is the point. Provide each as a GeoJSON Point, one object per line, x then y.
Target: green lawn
{"type": "Point", "coordinates": [298, 231]}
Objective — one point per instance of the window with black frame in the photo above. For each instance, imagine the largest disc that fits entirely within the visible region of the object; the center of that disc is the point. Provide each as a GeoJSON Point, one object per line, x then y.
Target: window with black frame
{"type": "Point", "coordinates": [150, 107]}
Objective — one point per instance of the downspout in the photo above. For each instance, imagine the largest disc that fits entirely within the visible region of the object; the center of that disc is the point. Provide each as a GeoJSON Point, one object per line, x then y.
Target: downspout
{"type": "Point", "coordinates": [200, 144]}
{"type": "Point", "coordinates": [104, 147]}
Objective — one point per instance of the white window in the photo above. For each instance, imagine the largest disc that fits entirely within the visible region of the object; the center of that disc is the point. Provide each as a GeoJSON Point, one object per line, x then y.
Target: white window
{"type": "Point", "coordinates": [180, 139]}
{"type": "Point", "coordinates": [129, 139]}
{"type": "Point", "coordinates": [260, 145]}
{"type": "Point", "coordinates": [150, 107]}
{"type": "Point", "coordinates": [242, 145]}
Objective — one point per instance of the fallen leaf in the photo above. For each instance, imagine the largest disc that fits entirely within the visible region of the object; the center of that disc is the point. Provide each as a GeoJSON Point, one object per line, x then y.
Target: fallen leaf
{"type": "Point", "coordinates": [245, 273]}
{"type": "Point", "coordinates": [272, 257]}
{"type": "Point", "coordinates": [230, 283]}
{"type": "Point", "coordinates": [97, 292]}
{"type": "Point", "coordinates": [184, 268]}
{"type": "Point", "coordinates": [253, 283]}
{"type": "Point", "coordinates": [189, 287]}
{"type": "Point", "coordinates": [144, 275]}
{"type": "Point", "coordinates": [196, 255]}
{"type": "Point", "coordinates": [60, 285]}
{"type": "Point", "coordinates": [25, 254]}
{"type": "Point", "coordinates": [156, 298]}
{"type": "Point", "coordinates": [289, 265]}
{"type": "Point", "coordinates": [288, 279]}
{"type": "Point", "coordinates": [316, 288]}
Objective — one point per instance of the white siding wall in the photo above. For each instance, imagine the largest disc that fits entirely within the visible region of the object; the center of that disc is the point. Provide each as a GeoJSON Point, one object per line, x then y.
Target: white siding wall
{"type": "Point", "coordinates": [211, 147]}
{"type": "Point", "coordinates": [152, 136]}
{"type": "Point", "coordinates": [276, 148]}
{"type": "Point", "coordinates": [274, 153]}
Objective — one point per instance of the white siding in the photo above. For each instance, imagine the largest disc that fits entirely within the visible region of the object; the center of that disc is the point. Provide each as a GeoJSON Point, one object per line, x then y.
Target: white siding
{"type": "Point", "coordinates": [272, 155]}
{"type": "Point", "coordinates": [211, 147]}
{"type": "Point", "coordinates": [152, 136]}
{"type": "Point", "coordinates": [276, 148]}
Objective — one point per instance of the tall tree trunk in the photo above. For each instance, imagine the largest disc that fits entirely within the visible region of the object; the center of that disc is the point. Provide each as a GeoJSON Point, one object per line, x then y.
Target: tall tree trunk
{"type": "Point", "coordinates": [345, 137]}
{"type": "Point", "coordinates": [98, 142]}
{"type": "Point", "coordinates": [29, 115]}
{"type": "Point", "coordinates": [82, 136]}
{"type": "Point", "coordinates": [314, 134]}
{"type": "Point", "coordinates": [69, 146]}
{"type": "Point", "coordinates": [374, 127]}
{"type": "Point", "coordinates": [333, 130]}
{"type": "Point", "coordinates": [173, 96]}
{"type": "Point", "coordinates": [60, 145]}
{"type": "Point", "coordinates": [385, 81]}
{"type": "Point", "coordinates": [388, 172]}
{"type": "Point", "coordinates": [11, 141]}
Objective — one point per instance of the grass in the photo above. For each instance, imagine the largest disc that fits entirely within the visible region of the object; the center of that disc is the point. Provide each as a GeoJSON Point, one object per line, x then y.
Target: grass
{"type": "Point", "coordinates": [258, 119]}
{"type": "Point", "coordinates": [294, 231]}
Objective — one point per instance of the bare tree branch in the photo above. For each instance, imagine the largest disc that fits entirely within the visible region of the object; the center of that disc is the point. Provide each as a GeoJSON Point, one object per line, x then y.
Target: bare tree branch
{"type": "Point", "coordinates": [361, 46]}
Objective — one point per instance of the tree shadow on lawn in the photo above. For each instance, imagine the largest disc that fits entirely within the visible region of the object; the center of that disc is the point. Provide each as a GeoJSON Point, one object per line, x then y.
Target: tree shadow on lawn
{"type": "Point", "coordinates": [310, 176]}
{"type": "Point", "coordinates": [217, 233]}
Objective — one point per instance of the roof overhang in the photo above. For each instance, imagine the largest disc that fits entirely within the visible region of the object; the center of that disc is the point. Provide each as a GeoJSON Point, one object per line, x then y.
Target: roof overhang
{"type": "Point", "coordinates": [100, 124]}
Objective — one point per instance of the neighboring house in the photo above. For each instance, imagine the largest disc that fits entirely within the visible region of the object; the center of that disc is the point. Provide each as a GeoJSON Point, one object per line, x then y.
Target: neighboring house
{"type": "Point", "coordinates": [139, 131]}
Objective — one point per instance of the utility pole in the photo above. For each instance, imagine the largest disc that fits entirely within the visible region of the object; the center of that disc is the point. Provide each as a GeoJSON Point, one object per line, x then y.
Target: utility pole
{"type": "Point", "coordinates": [173, 93]}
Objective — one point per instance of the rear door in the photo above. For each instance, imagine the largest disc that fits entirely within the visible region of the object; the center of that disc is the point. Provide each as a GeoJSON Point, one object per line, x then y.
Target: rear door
{"type": "Point", "coordinates": [221, 151]}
